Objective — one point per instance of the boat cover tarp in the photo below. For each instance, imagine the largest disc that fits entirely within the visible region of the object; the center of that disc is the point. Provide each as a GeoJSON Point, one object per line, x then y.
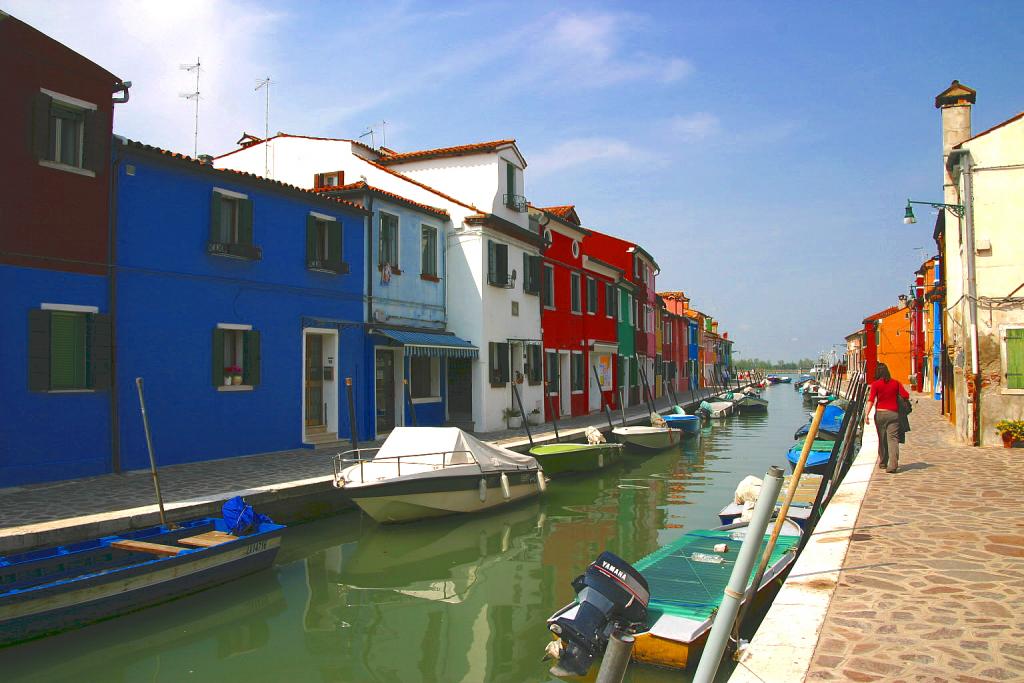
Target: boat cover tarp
{"type": "Point", "coordinates": [429, 445]}
{"type": "Point", "coordinates": [687, 588]}
{"type": "Point", "coordinates": [831, 421]}
{"type": "Point", "coordinates": [240, 518]}
{"type": "Point", "coordinates": [820, 453]}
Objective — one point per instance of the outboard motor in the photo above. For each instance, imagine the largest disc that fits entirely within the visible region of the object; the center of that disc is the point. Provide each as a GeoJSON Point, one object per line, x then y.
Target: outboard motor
{"type": "Point", "coordinates": [610, 595]}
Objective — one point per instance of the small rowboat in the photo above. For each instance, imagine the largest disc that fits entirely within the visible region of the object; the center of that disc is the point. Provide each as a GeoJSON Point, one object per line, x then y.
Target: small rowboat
{"type": "Point", "coordinates": [568, 458]}
{"type": "Point", "coordinates": [800, 508]}
{"type": "Point", "coordinates": [752, 404]}
{"type": "Point", "coordinates": [817, 459]}
{"type": "Point", "coordinates": [648, 438]}
{"type": "Point", "coordinates": [54, 589]}
{"type": "Point", "coordinates": [688, 424]}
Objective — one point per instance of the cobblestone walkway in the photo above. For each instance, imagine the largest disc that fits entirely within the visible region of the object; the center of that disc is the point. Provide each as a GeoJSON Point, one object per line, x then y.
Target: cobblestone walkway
{"type": "Point", "coordinates": [933, 584]}
{"type": "Point", "coordinates": [39, 503]}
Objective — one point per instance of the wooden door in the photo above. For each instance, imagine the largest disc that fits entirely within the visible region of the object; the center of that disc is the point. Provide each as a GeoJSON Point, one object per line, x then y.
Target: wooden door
{"type": "Point", "coordinates": [314, 380]}
{"type": "Point", "coordinates": [385, 382]}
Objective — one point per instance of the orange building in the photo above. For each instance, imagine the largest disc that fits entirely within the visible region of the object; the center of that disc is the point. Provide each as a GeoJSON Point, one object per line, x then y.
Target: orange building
{"type": "Point", "coordinates": [887, 340]}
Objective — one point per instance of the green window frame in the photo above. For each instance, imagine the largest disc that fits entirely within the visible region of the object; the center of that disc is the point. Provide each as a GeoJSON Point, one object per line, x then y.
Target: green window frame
{"type": "Point", "coordinates": [498, 365]}
{"type": "Point", "coordinates": [549, 286]}
{"type": "Point", "coordinates": [1013, 343]}
{"type": "Point", "coordinates": [510, 179]}
{"type": "Point", "coordinates": [69, 350]}
{"type": "Point", "coordinates": [534, 364]}
{"type": "Point", "coordinates": [574, 293]}
{"type": "Point", "coordinates": [324, 244]}
{"type": "Point", "coordinates": [235, 348]}
{"type": "Point", "coordinates": [577, 373]}
{"type": "Point", "coordinates": [591, 296]}
{"type": "Point", "coordinates": [497, 264]}
{"type": "Point", "coordinates": [231, 226]}
{"type": "Point", "coordinates": [387, 248]}
{"type": "Point", "coordinates": [551, 363]}
{"type": "Point", "coordinates": [531, 274]}
{"type": "Point", "coordinates": [428, 250]}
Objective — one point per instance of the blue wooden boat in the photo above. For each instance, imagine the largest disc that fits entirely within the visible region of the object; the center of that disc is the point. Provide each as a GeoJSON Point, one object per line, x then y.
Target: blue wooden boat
{"type": "Point", "coordinates": [817, 459]}
{"type": "Point", "coordinates": [54, 589]}
{"type": "Point", "coordinates": [689, 424]}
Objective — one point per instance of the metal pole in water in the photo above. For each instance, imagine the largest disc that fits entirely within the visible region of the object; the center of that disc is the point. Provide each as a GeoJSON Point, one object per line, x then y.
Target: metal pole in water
{"type": "Point", "coordinates": [554, 420]}
{"type": "Point", "coordinates": [600, 388]}
{"type": "Point", "coordinates": [522, 412]}
{"type": "Point", "coordinates": [352, 414]}
{"type": "Point", "coordinates": [616, 658]}
{"type": "Point", "coordinates": [152, 458]}
{"type": "Point", "coordinates": [720, 630]}
{"type": "Point", "coordinates": [412, 406]}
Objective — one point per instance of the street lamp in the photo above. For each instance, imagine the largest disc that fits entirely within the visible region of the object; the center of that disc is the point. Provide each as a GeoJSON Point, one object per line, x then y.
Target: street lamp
{"type": "Point", "coordinates": [908, 216]}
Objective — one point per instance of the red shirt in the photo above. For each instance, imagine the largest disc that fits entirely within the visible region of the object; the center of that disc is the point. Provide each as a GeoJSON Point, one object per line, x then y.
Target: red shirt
{"type": "Point", "coordinates": [885, 393]}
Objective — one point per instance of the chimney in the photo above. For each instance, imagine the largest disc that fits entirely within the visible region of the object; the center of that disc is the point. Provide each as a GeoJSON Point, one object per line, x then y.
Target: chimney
{"type": "Point", "coordinates": [205, 159]}
{"type": "Point", "coordinates": [955, 103]}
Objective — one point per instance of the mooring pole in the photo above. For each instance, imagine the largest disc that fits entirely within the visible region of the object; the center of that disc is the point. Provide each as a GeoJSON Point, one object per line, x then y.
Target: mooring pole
{"type": "Point", "coordinates": [352, 414]}
{"type": "Point", "coordinates": [622, 405]}
{"type": "Point", "coordinates": [554, 420]}
{"type": "Point", "coordinates": [616, 658]}
{"type": "Point", "coordinates": [522, 412]}
{"type": "Point", "coordinates": [412, 406]}
{"type": "Point", "coordinates": [152, 457]}
{"type": "Point", "coordinates": [604, 404]}
{"type": "Point", "coordinates": [723, 625]}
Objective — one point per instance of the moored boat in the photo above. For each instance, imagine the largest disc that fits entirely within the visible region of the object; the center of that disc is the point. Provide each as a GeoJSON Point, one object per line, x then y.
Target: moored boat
{"type": "Point", "coordinates": [717, 409]}
{"type": "Point", "coordinates": [746, 495]}
{"type": "Point", "coordinates": [752, 404]}
{"type": "Point", "coordinates": [422, 472]}
{"type": "Point", "coordinates": [648, 438]}
{"type": "Point", "coordinates": [568, 458]}
{"type": "Point", "coordinates": [688, 424]}
{"type": "Point", "coordinates": [54, 589]}
{"type": "Point", "coordinates": [817, 459]}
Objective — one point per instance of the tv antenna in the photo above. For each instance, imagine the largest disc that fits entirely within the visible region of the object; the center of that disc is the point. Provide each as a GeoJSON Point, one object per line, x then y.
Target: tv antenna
{"type": "Point", "coordinates": [372, 133]}
{"type": "Point", "coordinates": [195, 97]}
{"type": "Point", "coordinates": [266, 124]}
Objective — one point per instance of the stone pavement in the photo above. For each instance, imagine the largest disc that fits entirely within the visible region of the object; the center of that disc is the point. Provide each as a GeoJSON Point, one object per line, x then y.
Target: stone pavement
{"type": "Point", "coordinates": [932, 588]}
{"type": "Point", "coordinates": [60, 512]}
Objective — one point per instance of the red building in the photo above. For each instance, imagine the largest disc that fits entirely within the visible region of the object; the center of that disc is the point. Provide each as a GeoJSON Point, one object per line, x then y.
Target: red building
{"type": "Point", "coordinates": [578, 317]}
{"type": "Point", "coordinates": [638, 268]}
{"type": "Point", "coordinates": [55, 130]}
{"type": "Point", "coordinates": [674, 340]}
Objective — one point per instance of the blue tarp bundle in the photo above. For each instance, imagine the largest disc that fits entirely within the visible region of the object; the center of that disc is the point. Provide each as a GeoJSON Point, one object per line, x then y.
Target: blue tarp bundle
{"type": "Point", "coordinates": [831, 423]}
{"type": "Point", "coordinates": [240, 518]}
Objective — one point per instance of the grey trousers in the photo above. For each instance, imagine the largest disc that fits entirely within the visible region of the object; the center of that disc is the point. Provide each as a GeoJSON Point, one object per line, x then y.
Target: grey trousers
{"type": "Point", "coordinates": [887, 423]}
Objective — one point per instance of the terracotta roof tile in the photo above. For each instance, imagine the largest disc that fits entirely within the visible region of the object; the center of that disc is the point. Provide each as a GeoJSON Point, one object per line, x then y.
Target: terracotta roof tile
{"type": "Point", "coordinates": [363, 185]}
{"type": "Point", "coordinates": [881, 314]}
{"type": "Point", "coordinates": [458, 150]}
{"type": "Point", "coordinates": [250, 176]}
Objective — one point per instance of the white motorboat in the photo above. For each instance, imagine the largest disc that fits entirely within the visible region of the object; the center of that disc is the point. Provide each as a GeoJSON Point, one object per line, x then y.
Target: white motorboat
{"type": "Point", "coordinates": [424, 472]}
{"type": "Point", "coordinates": [717, 408]}
{"type": "Point", "coordinates": [649, 438]}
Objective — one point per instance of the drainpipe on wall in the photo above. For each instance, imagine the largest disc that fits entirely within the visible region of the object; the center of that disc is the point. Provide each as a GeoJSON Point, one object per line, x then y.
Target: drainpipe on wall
{"type": "Point", "coordinates": [967, 201]}
{"type": "Point", "coordinates": [115, 421]}
{"type": "Point", "coordinates": [937, 387]}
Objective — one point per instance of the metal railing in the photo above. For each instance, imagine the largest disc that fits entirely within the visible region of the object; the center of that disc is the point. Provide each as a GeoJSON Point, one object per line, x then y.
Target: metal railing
{"type": "Point", "coordinates": [233, 249]}
{"type": "Point", "coordinates": [341, 462]}
{"type": "Point", "coordinates": [516, 202]}
{"type": "Point", "coordinates": [338, 267]}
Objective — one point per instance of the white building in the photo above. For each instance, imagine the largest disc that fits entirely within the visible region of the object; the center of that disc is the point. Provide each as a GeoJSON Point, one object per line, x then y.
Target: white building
{"type": "Point", "coordinates": [493, 259]}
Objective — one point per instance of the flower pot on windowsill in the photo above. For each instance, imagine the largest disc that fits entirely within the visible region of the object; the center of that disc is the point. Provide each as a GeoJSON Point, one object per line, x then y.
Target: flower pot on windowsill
{"type": "Point", "coordinates": [236, 379]}
{"type": "Point", "coordinates": [1008, 440]}
{"type": "Point", "coordinates": [227, 380]}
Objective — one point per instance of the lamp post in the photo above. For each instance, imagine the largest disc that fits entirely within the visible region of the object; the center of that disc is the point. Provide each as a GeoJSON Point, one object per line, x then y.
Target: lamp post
{"type": "Point", "coordinates": [908, 216]}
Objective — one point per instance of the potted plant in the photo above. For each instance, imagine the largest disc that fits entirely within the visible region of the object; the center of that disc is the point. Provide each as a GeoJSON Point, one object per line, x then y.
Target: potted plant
{"type": "Point", "coordinates": [1012, 431]}
{"type": "Point", "coordinates": [534, 417]}
{"type": "Point", "coordinates": [232, 375]}
{"type": "Point", "coordinates": [512, 418]}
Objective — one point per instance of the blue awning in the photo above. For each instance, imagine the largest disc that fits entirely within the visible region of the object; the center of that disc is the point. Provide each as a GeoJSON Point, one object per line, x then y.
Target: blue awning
{"type": "Point", "coordinates": [431, 343]}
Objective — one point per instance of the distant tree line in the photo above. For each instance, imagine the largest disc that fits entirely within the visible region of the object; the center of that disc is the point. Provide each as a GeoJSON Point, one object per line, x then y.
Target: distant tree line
{"type": "Point", "coordinates": [757, 363]}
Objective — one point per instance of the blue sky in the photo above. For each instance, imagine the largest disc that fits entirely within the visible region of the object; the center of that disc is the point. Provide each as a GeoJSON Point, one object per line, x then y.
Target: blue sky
{"type": "Point", "coordinates": [762, 152]}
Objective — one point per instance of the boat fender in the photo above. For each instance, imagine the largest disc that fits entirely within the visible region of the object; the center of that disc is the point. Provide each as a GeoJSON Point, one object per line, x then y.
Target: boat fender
{"type": "Point", "coordinates": [506, 538]}
{"type": "Point", "coordinates": [506, 492]}
{"type": "Point", "coordinates": [600, 459]}
{"type": "Point", "coordinates": [542, 483]}
{"type": "Point", "coordinates": [483, 490]}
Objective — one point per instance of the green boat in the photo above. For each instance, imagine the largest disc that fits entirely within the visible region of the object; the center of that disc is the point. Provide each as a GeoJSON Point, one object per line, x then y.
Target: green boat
{"type": "Point", "coordinates": [565, 458]}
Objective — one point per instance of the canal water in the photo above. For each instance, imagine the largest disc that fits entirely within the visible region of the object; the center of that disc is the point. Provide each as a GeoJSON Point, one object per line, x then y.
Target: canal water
{"type": "Point", "coordinates": [455, 599]}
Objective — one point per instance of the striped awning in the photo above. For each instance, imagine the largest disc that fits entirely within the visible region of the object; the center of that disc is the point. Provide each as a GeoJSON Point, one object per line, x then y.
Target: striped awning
{"type": "Point", "coordinates": [430, 343]}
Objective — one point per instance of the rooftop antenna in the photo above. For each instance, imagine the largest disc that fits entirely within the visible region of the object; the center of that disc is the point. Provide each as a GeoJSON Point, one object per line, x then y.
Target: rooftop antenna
{"type": "Point", "coordinates": [193, 96]}
{"type": "Point", "coordinates": [369, 131]}
{"type": "Point", "coordinates": [266, 125]}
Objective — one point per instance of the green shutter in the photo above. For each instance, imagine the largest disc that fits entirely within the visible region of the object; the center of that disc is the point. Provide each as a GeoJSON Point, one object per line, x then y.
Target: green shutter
{"type": "Point", "coordinates": [1015, 358]}
{"type": "Point", "coordinates": [100, 351]}
{"type": "Point", "coordinates": [97, 137]}
{"type": "Point", "coordinates": [526, 272]}
{"type": "Point", "coordinates": [251, 356]}
{"type": "Point", "coordinates": [503, 361]}
{"type": "Point", "coordinates": [491, 268]}
{"type": "Point", "coordinates": [245, 221]}
{"type": "Point", "coordinates": [38, 350]}
{"type": "Point", "coordinates": [310, 238]}
{"type": "Point", "coordinates": [510, 179]}
{"type": "Point", "coordinates": [67, 350]}
{"type": "Point", "coordinates": [40, 141]}
{"type": "Point", "coordinates": [218, 357]}
{"type": "Point", "coordinates": [215, 231]}
{"type": "Point", "coordinates": [501, 255]}
{"type": "Point", "coordinates": [334, 251]}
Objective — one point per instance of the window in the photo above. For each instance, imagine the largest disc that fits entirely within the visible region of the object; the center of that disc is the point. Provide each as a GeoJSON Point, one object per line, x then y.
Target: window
{"type": "Point", "coordinates": [510, 179]}
{"type": "Point", "coordinates": [574, 279]}
{"type": "Point", "coordinates": [552, 371]}
{"type": "Point", "coordinates": [67, 133]}
{"type": "Point", "coordinates": [632, 309]}
{"type": "Point", "coordinates": [575, 249]}
{"type": "Point", "coordinates": [1013, 358]}
{"type": "Point", "coordinates": [425, 377]}
{"type": "Point", "coordinates": [231, 219]}
{"type": "Point", "coordinates": [68, 349]}
{"type": "Point", "coordinates": [324, 244]}
{"type": "Point", "coordinates": [577, 374]}
{"type": "Point", "coordinates": [549, 286]}
{"type": "Point", "coordinates": [236, 352]}
{"type": "Point", "coordinates": [499, 363]}
{"type": "Point", "coordinates": [387, 252]}
{"type": "Point", "coordinates": [515, 309]}
{"type": "Point", "coordinates": [610, 300]}
{"type": "Point", "coordinates": [428, 251]}
{"type": "Point", "coordinates": [534, 366]}
{"type": "Point", "coordinates": [591, 296]}
{"type": "Point", "coordinates": [531, 273]}
{"type": "Point", "coordinates": [332, 179]}
{"type": "Point", "coordinates": [497, 264]}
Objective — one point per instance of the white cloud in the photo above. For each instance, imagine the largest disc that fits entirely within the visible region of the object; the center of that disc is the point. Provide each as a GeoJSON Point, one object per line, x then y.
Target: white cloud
{"type": "Point", "coordinates": [584, 151]}
{"type": "Point", "coordinates": [696, 126]}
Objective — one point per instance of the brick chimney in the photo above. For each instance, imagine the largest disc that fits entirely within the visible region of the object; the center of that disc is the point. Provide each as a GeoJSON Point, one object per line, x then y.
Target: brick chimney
{"type": "Point", "coordinates": [955, 104]}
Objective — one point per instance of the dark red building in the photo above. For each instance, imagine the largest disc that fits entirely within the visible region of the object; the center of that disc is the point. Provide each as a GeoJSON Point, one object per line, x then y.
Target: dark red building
{"type": "Point", "coordinates": [674, 340]}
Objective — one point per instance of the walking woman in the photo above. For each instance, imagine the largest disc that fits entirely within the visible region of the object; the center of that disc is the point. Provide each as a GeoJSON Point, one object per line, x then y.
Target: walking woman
{"type": "Point", "coordinates": [883, 398]}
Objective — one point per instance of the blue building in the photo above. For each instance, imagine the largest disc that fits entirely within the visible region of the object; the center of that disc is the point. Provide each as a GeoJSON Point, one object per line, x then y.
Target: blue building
{"type": "Point", "coordinates": [693, 352]}
{"type": "Point", "coordinates": [239, 300]}
{"type": "Point", "coordinates": [417, 363]}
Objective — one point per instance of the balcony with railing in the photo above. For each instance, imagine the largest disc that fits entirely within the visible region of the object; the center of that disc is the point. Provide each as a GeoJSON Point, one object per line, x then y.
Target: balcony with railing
{"type": "Point", "coordinates": [515, 202]}
{"type": "Point", "coordinates": [235, 250]}
{"type": "Point", "coordinates": [324, 265]}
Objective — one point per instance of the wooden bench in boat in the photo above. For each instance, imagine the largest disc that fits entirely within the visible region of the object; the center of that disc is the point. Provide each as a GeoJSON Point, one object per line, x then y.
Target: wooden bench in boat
{"type": "Point", "coordinates": [144, 547]}
{"type": "Point", "coordinates": [210, 538]}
